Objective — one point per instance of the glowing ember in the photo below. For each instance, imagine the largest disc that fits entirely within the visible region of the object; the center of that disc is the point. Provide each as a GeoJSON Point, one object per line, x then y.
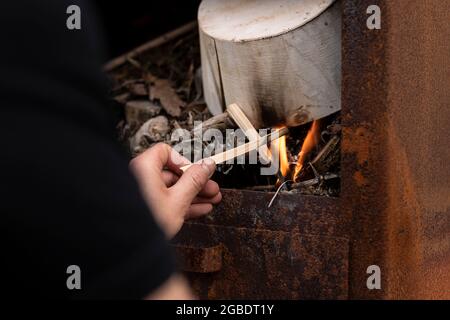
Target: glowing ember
{"type": "Point", "coordinates": [309, 143]}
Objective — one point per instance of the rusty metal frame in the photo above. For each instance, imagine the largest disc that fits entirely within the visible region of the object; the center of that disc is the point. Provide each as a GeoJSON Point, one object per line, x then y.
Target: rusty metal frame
{"type": "Point", "coordinates": [394, 208]}
{"type": "Point", "coordinates": [395, 179]}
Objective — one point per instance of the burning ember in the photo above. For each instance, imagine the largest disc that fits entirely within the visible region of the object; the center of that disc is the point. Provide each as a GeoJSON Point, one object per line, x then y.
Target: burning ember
{"type": "Point", "coordinates": [311, 140]}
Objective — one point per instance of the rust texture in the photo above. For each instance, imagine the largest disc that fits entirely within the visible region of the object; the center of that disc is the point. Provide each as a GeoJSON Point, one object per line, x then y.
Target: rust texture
{"type": "Point", "coordinates": [396, 177]}
{"type": "Point", "coordinates": [199, 259]}
{"type": "Point", "coordinates": [364, 137]}
{"type": "Point", "coordinates": [297, 249]}
{"type": "Point", "coordinates": [418, 144]}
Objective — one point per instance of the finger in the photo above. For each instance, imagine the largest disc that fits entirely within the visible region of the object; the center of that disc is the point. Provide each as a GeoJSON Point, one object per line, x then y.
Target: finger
{"type": "Point", "coordinates": [193, 181]}
{"type": "Point", "coordinates": [213, 200]}
{"type": "Point", "coordinates": [148, 166]}
{"type": "Point", "coordinates": [176, 161]}
{"type": "Point", "coordinates": [210, 189]}
{"type": "Point", "coordinates": [169, 178]}
{"type": "Point", "coordinates": [163, 156]}
{"type": "Point", "coordinates": [198, 210]}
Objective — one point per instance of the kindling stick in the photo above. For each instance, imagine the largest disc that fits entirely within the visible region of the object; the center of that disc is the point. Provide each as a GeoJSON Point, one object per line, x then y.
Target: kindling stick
{"type": "Point", "coordinates": [245, 148]}
{"type": "Point", "coordinates": [117, 62]}
{"type": "Point", "coordinates": [244, 123]}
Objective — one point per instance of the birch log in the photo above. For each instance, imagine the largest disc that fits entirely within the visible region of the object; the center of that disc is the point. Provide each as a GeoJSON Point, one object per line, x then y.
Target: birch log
{"type": "Point", "coordinates": [278, 60]}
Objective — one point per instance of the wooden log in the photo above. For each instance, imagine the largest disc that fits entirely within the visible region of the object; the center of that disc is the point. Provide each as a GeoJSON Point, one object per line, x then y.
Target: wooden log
{"type": "Point", "coordinates": [212, 122]}
{"type": "Point", "coordinates": [278, 60]}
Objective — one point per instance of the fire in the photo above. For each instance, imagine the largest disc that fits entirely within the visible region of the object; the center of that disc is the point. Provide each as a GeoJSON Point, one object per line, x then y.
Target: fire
{"type": "Point", "coordinates": [280, 151]}
{"type": "Point", "coordinates": [309, 143]}
{"type": "Point", "coordinates": [312, 138]}
{"type": "Point", "coordinates": [284, 163]}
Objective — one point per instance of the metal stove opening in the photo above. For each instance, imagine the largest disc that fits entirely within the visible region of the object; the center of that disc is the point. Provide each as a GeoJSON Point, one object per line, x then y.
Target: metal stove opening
{"type": "Point", "coordinates": [160, 91]}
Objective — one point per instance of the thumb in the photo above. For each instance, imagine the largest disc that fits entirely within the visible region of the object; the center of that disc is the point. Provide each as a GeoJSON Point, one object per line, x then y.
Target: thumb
{"type": "Point", "coordinates": [193, 180]}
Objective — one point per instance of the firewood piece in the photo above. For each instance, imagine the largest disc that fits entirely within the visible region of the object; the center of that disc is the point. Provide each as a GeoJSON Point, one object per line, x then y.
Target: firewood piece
{"type": "Point", "coordinates": [245, 148]}
{"type": "Point", "coordinates": [139, 111]}
{"type": "Point", "coordinates": [212, 122]}
{"type": "Point", "coordinates": [328, 156]}
{"type": "Point", "coordinates": [249, 130]}
{"type": "Point", "coordinates": [312, 182]}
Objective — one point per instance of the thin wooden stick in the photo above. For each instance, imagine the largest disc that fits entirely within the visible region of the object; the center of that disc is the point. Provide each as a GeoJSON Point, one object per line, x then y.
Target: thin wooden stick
{"type": "Point", "coordinates": [244, 123]}
{"type": "Point", "coordinates": [298, 185]}
{"type": "Point", "coordinates": [245, 148]}
{"type": "Point", "coordinates": [211, 122]}
{"type": "Point", "coordinates": [312, 182]}
{"type": "Point", "coordinates": [116, 62]}
{"type": "Point", "coordinates": [327, 149]}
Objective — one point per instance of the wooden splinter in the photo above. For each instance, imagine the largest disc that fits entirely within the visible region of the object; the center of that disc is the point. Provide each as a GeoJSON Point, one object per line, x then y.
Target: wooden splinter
{"type": "Point", "coordinates": [245, 148]}
{"type": "Point", "coordinates": [235, 112]}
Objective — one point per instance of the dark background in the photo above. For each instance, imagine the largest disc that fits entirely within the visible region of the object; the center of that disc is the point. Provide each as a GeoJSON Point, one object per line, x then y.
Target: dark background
{"type": "Point", "coordinates": [130, 23]}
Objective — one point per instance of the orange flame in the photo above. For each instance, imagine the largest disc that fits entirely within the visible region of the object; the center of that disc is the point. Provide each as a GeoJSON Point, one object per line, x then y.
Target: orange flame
{"type": "Point", "coordinates": [309, 143]}
{"type": "Point", "coordinates": [284, 163]}
{"type": "Point", "coordinates": [279, 150]}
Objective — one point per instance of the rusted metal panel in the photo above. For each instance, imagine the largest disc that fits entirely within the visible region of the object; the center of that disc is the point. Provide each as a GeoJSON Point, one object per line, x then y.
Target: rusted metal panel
{"type": "Point", "coordinates": [289, 212]}
{"type": "Point", "coordinates": [394, 209]}
{"type": "Point", "coordinates": [199, 259]}
{"type": "Point", "coordinates": [297, 249]}
{"type": "Point", "coordinates": [364, 136]}
{"type": "Point", "coordinates": [418, 94]}
{"type": "Point", "coordinates": [395, 179]}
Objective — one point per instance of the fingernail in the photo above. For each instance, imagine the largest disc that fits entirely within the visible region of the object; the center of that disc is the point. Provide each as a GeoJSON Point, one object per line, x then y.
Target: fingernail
{"type": "Point", "coordinates": [209, 165]}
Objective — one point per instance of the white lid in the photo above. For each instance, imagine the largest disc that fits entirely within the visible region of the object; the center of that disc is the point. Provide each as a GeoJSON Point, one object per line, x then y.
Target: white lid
{"type": "Point", "coordinates": [246, 20]}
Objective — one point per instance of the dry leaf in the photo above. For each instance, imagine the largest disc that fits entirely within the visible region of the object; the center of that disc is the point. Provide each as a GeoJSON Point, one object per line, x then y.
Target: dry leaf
{"type": "Point", "coordinates": [162, 90]}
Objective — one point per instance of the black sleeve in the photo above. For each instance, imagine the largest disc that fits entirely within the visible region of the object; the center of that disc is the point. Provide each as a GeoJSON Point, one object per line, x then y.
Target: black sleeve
{"type": "Point", "coordinates": [67, 197]}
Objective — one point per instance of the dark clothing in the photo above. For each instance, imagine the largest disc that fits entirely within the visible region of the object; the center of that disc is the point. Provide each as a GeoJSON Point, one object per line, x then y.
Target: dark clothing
{"type": "Point", "coordinates": [67, 197]}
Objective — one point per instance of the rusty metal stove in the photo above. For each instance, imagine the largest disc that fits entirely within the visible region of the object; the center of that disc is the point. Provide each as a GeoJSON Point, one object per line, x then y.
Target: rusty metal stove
{"type": "Point", "coordinates": [294, 249]}
{"type": "Point", "coordinates": [394, 207]}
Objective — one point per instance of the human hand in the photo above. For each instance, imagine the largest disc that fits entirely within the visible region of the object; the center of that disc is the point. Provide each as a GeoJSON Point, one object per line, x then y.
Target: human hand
{"type": "Point", "coordinates": [172, 195]}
